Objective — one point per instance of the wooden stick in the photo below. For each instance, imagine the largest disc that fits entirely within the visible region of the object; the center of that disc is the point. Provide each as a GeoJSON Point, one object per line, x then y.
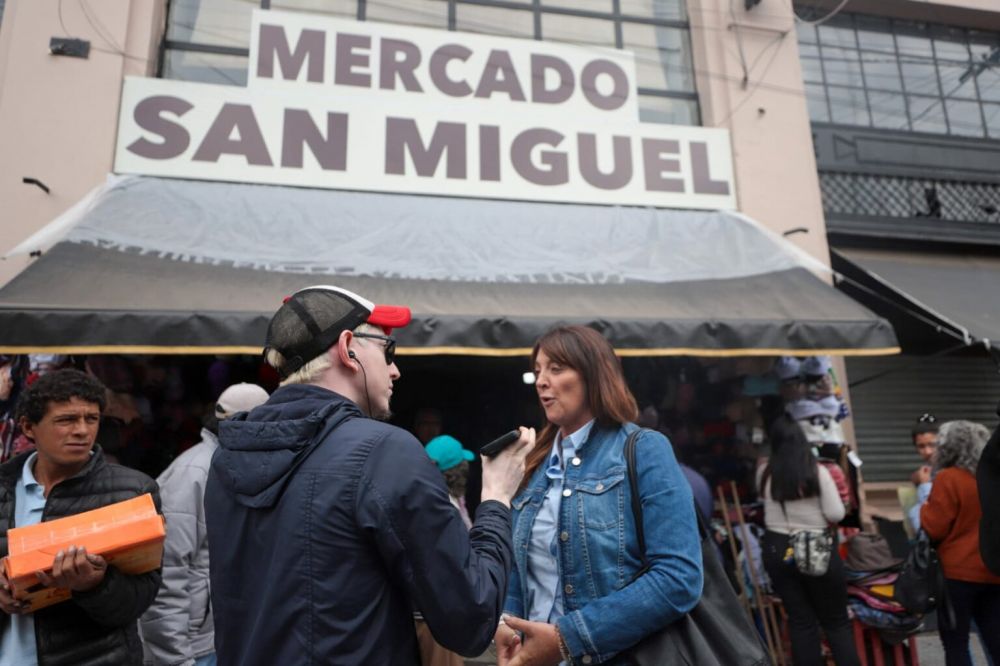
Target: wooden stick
{"type": "Point", "coordinates": [757, 593]}
{"type": "Point", "coordinates": [763, 605]}
{"type": "Point", "coordinates": [731, 538]}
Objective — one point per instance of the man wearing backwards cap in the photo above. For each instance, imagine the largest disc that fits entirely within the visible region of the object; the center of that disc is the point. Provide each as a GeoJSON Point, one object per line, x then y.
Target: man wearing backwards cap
{"type": "Point", "coordinates": [328, 527]}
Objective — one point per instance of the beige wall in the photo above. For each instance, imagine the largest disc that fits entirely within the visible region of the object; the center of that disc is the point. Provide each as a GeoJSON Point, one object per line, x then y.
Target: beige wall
{"type": "Point", "coordinates": [59, 115]}
{"type": "Point", "coordinates": [766, 114]}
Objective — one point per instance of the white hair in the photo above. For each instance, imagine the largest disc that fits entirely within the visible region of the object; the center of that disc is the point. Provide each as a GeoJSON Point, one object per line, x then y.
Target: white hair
{"type": "Point", "coordinates": [960, 444]}
{"type": "Point", "coordinates": [311, 371]}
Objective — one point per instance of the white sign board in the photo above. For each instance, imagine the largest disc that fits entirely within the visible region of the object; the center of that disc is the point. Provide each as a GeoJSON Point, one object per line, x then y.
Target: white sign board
{"type": "Point", "coordinates": [386, 113]}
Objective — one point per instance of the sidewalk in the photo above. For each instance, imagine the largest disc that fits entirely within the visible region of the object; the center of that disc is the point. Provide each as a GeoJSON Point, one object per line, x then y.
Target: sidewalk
{"type": "Point", "coordinates": [928, 646]}
{"type": "Point", "coordinates": [932, 654]}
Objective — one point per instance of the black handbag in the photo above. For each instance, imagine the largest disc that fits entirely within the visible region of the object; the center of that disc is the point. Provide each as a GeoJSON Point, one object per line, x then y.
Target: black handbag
{"type": "Point", "coordinates": [716, 632]}
{"type": "Point", "coordinates": [920, 587]}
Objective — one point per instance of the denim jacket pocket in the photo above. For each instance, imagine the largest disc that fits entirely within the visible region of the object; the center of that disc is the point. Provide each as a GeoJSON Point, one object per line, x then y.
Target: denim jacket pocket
{"type": "Point", "coordinates": [600, 500]}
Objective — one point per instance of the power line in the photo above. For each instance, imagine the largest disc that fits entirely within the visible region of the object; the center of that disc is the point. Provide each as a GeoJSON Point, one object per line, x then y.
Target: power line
{"type": "Point", "coordinates": [760, 80]}
{"type": "Point", "coordinates": [117, 52]}
{"type": "Point", "coordinates": [99, 27]}
{"type": "Point", "coordinates": [824, 19]}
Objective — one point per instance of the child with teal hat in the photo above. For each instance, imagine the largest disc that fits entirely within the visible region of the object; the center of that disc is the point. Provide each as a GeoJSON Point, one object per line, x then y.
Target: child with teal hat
{"type": "Point", "coordinates": [453, 461]}
{"type": "Point", "coordinates": [448, 452]}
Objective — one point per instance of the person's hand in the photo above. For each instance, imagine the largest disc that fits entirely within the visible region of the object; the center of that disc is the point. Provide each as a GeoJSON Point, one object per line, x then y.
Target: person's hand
{"type": "Point", "coordinates": [922, 475]}
{"type": "Point", "coordinates": [502, 474]}
{"type": "Point", "coordinates": [75, 569]}
{"type": "Point", "coordinates": [541, 643]}
{"type": "Point", "coordinates": [508, 643]}
{"type": "Point", "coordinates": [8, 604]}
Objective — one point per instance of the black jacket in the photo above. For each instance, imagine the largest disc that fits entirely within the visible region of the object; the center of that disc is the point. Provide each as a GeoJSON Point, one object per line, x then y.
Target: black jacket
{"type": "Point", "coordinates": [988, 480]}
{"type": "Point", "coordinates": [326, 529]}
{"type": "Point", "coordinates": [97, 627]}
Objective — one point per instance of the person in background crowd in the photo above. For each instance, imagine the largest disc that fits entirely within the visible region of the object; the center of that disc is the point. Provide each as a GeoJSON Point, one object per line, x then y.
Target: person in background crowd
{"type": "Point", "coordinates": [924, 435]}
{"type": "Point", "coordinates": [13, 378]}
{"type": "Point", "coordinates": [800, 494]}
{"type": "Point", "coordinates": [951, 519]}
{"type": "Point", "coordinates": [178, 628]}
{"type": "Point", "coordinates": [428, 424]}
{"type": "Point", "coordinates": [988, 480]}
{"type": "Point", "coordinates": [67, 474]}
{"type": "Point", "coordinates": [453, 460]}
{"type": "Point", "coordinates": [649, 418]}
{"type": "Point", "coordinates": [574, 508]}
{"type": "Point", "coordinates": [327, 527]}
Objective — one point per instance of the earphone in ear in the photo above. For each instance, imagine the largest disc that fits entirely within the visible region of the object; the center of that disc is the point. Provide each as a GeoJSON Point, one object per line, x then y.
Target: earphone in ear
{"type": "Point", "coordinates": [351, 354]}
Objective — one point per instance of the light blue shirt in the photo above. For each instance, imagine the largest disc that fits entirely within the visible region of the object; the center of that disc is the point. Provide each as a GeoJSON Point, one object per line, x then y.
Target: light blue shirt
{"type": "Point", "coordinates": [923, 492]}
{"type": "Point", "coordinates": [544, 603]}
{"type": "Point", "coordinates": [18, 645]}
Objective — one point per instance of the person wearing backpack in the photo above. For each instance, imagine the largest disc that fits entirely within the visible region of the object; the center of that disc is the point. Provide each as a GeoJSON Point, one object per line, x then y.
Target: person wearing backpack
{"type": "Point", "coordinates": [801, 502]}
{"type": "Point", "coordinates": [951, 519]}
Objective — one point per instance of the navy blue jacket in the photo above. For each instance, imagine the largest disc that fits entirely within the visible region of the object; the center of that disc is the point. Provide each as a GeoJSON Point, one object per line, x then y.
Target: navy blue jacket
{"type": "Point", "coordinates": [326, 529]}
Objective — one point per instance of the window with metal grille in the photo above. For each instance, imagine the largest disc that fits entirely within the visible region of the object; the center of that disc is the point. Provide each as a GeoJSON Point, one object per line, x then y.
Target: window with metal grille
{"type": "Point", "coordinates": [854, 194]}
{"type": "Point", "coordinates": [208, 40]}
{"type": "Point", "coordinates": [902, 75]}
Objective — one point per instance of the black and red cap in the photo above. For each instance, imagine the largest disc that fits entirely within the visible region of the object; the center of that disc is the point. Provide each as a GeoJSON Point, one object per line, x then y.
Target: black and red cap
{"type": "Point", "coordinates": [311, 320]}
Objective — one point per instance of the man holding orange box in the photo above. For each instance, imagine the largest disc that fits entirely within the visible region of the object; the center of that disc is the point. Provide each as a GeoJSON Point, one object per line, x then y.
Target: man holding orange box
{"type": "Point", "coordinates": [66, 475]}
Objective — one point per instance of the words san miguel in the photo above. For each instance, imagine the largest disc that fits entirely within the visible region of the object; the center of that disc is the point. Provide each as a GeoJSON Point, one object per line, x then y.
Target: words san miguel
{"type": "Point", "coordinates": [355, 105]}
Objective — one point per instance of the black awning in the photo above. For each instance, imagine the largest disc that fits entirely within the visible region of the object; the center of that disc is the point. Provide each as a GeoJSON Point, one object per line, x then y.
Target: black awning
{"type": "Point", "coordinates": [961, 292]}
{"type": "Point", "coordinates": [168, 266]}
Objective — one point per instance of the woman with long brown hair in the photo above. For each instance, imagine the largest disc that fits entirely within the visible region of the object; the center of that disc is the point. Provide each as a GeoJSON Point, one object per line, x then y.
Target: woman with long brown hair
{"type": "Point", "coordinates": [576, 552]}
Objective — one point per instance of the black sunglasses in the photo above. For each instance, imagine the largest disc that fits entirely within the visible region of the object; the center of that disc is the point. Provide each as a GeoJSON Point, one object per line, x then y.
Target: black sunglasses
{"type": "Point", "coordinates": [927, 418]}
{"type": "Point", "coordinates": [390, 345]}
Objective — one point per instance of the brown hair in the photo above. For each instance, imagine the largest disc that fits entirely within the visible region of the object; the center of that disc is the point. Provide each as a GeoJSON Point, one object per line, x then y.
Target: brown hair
{"type": "Point", "coordinates": [608, 396]}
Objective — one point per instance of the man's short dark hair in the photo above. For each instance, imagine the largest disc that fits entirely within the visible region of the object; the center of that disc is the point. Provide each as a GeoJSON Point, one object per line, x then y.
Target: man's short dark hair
{"type": "Point", "coordinates": [58, 386]}
{"type": "Point", "coordinates": [926, 423]}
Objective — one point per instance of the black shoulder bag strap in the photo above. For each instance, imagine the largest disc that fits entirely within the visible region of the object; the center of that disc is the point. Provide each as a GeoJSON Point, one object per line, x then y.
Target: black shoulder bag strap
{"type": "Point", "coordinates": [633, 482]}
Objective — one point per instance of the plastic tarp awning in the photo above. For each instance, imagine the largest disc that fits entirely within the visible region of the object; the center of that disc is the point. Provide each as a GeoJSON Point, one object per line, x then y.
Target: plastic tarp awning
{"type": "Point", "coordinates": [961, 291]}
{"type": "Point", "coordinates": [151, 265]}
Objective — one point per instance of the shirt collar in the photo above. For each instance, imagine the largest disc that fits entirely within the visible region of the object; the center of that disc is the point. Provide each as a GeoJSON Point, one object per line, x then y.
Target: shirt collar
{"type": "Point", "coordinates": [568, 446]}
{"type": "Point", "coordinates": [28, 473]}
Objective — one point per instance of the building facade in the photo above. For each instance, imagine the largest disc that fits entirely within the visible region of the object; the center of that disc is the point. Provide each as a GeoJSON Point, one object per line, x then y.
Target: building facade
{"type": "Point", "coordinates": [808, 93]}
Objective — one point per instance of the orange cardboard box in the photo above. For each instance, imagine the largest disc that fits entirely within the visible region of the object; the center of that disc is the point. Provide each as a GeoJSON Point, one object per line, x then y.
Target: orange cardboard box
{"type": "Point", "coordinates": [127, 534]}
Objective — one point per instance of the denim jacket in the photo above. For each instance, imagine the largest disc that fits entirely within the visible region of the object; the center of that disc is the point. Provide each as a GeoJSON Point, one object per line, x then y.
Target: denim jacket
{"type": "Point", "coordinates": [606, 612]}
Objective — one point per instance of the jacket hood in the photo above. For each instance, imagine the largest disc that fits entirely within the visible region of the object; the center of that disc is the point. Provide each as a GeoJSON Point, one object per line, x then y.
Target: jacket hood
{"type": "Point", "coordinates": [259, 450]}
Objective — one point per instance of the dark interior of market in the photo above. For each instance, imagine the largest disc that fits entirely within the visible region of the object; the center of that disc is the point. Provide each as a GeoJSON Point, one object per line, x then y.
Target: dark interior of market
{"type": "Point", "coordinates": [714, 410]}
